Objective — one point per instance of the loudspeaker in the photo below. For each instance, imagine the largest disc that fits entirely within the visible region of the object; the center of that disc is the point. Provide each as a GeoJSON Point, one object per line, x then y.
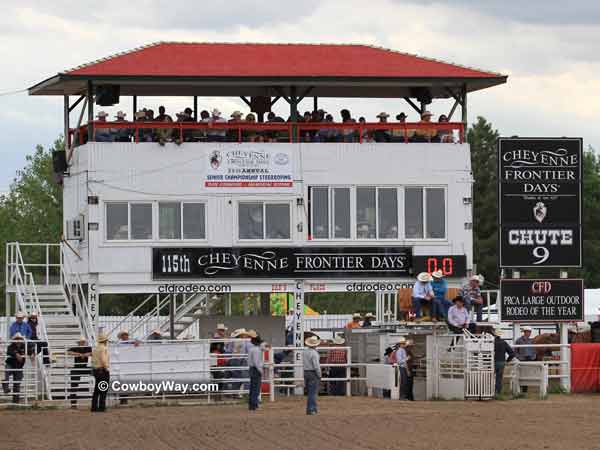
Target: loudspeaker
{"type": "Point", "coordinates": [59, 161]}
{"type": "Point", "coordinates": [107, 95]}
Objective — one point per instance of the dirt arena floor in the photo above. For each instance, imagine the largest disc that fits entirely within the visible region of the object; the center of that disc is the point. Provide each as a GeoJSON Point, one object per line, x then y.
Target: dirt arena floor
{"type": "Point", "coordinates": [561, 422]}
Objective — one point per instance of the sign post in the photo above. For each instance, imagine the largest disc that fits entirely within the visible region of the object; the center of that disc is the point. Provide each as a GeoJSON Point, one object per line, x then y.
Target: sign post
{"type": "Point", "coordinates": [298, 332]}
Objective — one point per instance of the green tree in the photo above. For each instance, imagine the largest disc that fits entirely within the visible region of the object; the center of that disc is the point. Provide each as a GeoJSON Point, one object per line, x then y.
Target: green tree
{"type": "Point", "coordinates": [482, 139]}
{"type": "Point", "coordinates": [32, 209]}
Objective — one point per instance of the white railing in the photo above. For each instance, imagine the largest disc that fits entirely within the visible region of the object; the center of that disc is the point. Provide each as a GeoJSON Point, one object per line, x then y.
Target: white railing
{"type": "Point", "coordinates": [29, 388]}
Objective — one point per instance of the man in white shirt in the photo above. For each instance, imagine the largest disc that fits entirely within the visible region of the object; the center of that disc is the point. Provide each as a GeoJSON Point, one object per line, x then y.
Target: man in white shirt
{"type": "Point", "coordinates": [312, 373]}
{"type": "Point", "coordinates": [215, 134]}
{"type": "Point", "coordinates": [458, 316]}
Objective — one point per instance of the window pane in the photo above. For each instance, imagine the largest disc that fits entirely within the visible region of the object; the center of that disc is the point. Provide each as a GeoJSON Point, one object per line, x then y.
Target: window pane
{"type": "Point", "coordinates": [169, 220]}
{"type": "Point", "coordinates": [341, 224]}
{"type": "Point", "coordinates": [250, 220]}
{"type": "Point", "coordinates": [388, 213]}
{"type": "Point", "coordinates": [278, 221]}
{"type": "Point", "coordinates": [116, 221]}
{"type": "Point", "coordinates": [320, 213]}
{"type": "Point", "coordinates": [141, 221]}
{"type": "Point", "coordinates": [436, 213]}
{"type": "Point", "coordinates": [365, 213]}
{"type": "Point", "coordinates": [413, 213]}
{"type": "Point", "coordinates": [194, 222]}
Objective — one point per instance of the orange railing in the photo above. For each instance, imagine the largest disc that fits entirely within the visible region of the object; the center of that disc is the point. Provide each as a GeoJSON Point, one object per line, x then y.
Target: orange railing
{"type": "Point", "coordinates": [278, 131]}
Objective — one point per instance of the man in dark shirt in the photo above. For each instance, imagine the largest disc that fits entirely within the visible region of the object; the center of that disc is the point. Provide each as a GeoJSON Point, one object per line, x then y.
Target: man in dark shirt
{"type": "Point", "coordinates": [81, 354]}
{"type": "Point", "coordinates": [15, 361]}
{"type": "Point", "coordinates": [501, 349]}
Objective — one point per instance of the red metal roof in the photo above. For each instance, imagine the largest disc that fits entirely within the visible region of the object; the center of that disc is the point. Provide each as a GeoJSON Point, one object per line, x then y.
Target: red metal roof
{"type": "Point", "coordinates": [272, 60]}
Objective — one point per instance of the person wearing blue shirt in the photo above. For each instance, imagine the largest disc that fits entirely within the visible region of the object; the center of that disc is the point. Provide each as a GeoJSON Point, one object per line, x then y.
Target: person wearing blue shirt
{"type": "Point", "coordinates": [20, 326]}
{"type": "Point", "coordinates": [422, 293]}
{"type": "Point", "coordinates": [440, 303]}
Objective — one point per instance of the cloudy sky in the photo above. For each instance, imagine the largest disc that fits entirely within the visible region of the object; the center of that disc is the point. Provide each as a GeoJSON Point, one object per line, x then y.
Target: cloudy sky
{"type": "Point", "coordinates": [550, 50]}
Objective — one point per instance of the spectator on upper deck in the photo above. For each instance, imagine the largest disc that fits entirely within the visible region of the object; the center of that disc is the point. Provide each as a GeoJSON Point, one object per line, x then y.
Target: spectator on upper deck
{"type": "Point", "coordinates": [103, 134]}
{"type": "Point", "coordinates": [214, 134]}
{"type": "Point", "coordinates": [185, 116]}
{"type": "Point", "coordinates": [445, 135]}
{"type": "Point", "coordinates": [251, 135]}
{"type": "Point", "coordinates": [382, 135]}
{"type": "Point", "coordinates": [397, 135]}
{"type": "Point", "coordinates": [20, 326]}
{"type": "Point", "coordinates": [163, 134]}
{"type": "Point", "coordinates": [121, 134]}
{"type": "Point", "coordinates": [347, 134]}
{"type": "Point", "coordinates": [425, 134]}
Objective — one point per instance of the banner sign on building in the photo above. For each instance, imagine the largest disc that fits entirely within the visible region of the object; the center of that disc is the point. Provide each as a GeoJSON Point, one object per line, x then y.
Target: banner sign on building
{"type": "Point", "coordinates": [541, 300]}
{"type": "Point", "coordinates": [540, 202]}
{"type": "Point", "coordinates": [281, 262]}
{"type": "Point", "coordinates": [249, 168]}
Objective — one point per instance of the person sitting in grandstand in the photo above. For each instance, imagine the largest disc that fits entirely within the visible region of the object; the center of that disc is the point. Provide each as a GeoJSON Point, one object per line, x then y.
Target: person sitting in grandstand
{"type": "Point", "coordinates": [397, 135]}
{"type": "Point", "coordinates": [368, 320]}
{"type": "Point", "coordinates": [312, 373]}
{"type": "Point", "coordinates": [347, 134]}
{"type": "Point", "coordinates": [250, 135]}
{"type": "Point", "coordinates": [14, 363]}
{"type": "Point", "coordinates": [501, 349]}
{"type": "Point", "coordinates": [471, 292]}
{"type": "Point", "coordinates": [37, 345]}
{"type": "Point", "coordinates": [81, 354]}
{"type": "Point", "coordinates": [156, 335]}
{"type": "Point", "coordinates": [185, 116]}
{"type": "Point", "coordinates": [445, 135]}
{"type": "Point", "coordinates": [422, 294]}
{"type": "Point", "coordinates": [102, 134]}
{"type": "Point", "coordinates": [163, 134]}
{"type": "Point", "coordinates": [121, 134]}
{"type": "Point", "coordinates": [19, 326]}
{"type": "Point", "coordinates": [440, 304]}
{"type": "Point", "coordinates": [355, 322]}
{"type": "Point", "coordinates": [101, 372]}
{"type": "Point", "coordinates": [255, 366]}
{"type": "Point", "coordinates": [215, 134]}
{"type": "Point", "coordinates": [458, 316]}
{"type": "Point", "coordinates": [382, 135]}
{"type": "Point", "coordinates": [425, 133]}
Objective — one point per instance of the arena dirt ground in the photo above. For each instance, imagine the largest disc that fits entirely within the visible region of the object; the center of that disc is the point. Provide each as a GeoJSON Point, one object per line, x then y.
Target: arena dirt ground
{"type": "Point", "coordinates": [561, 422]}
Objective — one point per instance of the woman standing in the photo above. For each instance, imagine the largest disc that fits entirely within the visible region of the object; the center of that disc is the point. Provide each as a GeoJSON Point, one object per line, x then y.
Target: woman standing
{"type": "Point", "coordinates": [100, 366]}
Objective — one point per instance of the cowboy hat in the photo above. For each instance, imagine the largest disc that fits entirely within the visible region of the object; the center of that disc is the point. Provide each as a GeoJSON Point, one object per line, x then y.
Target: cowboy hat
{"type": "Point", "coordinates": [438, 274]}
{"type": "Point", "coordinates": [18, 336]}
{"type": "Point", "coordinates": [409, 342]}
{"type": "Point", "coordinates": [481, 279]}
{"type": "Point", "coordinates": [356, 316]}
{"type": "Point", "coordinates": [370, 315]}
{"type": "Point", "coordinates": [140, 115]}
{"type": "Point", "coordinates": [426, 113]}
{"type": "Point", "coordinates": [19, 315]}
{"type": "Point", "coordinates": [102, 114]}
{"type": "Point", "coordinates": [216, 112]}
{"type": "Point", "coordinates": [526, 329]}
{"type": "Point", "coordinates": [102, 338]}
{"type": "Point", "coordinates": [388, 351]}
{"type": "Point", "coordinates": [424, 277]}
{"type": "Point", "coordinates": [221, 326]}
{"type": "Point", "coordinates": [402, 340]}
{"type": "Point", "coordinates": [156, 331]}
{"type": "Point", "coordinates": [338, 340]}
{"type": "Point", "coordinates": [475, 278]}
{"type": "Point", "coordinates": [382, 114]}
{"type": "Point", "coordinates": [120, 115]}
{"type": "Point", "coordinates": [238, 332]}
{"type": "Point", "coordinates": [312, 341]}
{"type": "Point", "coordinates": [251, 334]}
{"type": "Point", "coordinates": [33, 314]}
{"type": "Point", "coordinates": [401, 116]}
{"type": "Point", "coordinates": [237, 113]}
{"type": "Point", "coordinates": [82, 339]}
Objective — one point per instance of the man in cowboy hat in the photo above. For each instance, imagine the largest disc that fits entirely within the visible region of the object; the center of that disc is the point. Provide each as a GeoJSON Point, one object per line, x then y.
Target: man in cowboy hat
{"type": "Point", "coordinates": [255, 366]}
{"type": "Point", "coordinates": [458, 316]}
{"type": "Point", "coordinates": [337, 355]}
{"type": "Point", "coordinates": [312, 373]}
{"type": "Point", "coordinates": [425, 133]}
{"type": "Point", "coordinates": [410, 370]}
{"type": "Point", "coordinates": [121, 134]}
{"type": "Point", "coordinates": [355, 322]}
{"type": "Point", "coordinates": [501, 349]}
{"type": "Point", "coordinates": [422, 293]}
{"type": "Point", "coordinates": [214, 134]}
{"type": "Point", "coordinates": [525, 353]}
{"type": "Point", "coordinates": [20, 326]}
{"type": "Point", "coordinates": [471, 292]}
{"type": "Point", "coordinates": [156, 335]}
{"type": "Point", "coordinates": [100, 370]}
{"type": "Point", "coordinates": [81, 354]}
{"type": "Point", "coordinates": [102, 134]}
{"type": "Point", "coordinates": [382, 135]}
{"type": "Point", "coordinates": [368, 320]}
{"type": "Point", "coordinates": [14, 363]}
{"type": "Point", "coordinates": [440, 304]}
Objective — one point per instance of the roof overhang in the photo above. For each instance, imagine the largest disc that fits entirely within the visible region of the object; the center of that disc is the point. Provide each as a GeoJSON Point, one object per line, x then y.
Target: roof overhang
{"type": "Point", "coordinates": [338, 87]}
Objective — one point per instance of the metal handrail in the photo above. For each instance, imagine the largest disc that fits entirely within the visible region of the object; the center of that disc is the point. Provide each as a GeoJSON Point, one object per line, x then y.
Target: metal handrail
{"type": "Point", "coordinates": [154, 312]}
{"type": "Point", "coordinates": [132, 313]}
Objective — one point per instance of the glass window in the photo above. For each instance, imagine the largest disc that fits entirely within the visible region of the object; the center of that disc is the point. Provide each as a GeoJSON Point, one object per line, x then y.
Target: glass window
{"type": "Point", "coordinates": [436, 213]}
{"type": "Point", "coordinates": [194, 221]}
{"type": "Point", "coordinates": [365, 213]}
{"type": "Point", "coordinates": [141, 221]}
{"type": "Point", "coordinates": [413, 212]}
{"type": "Point", "coordinates": [387, 213]}
{"type": "Point", "coordinates": [277, 221]}
{"type": "Point", "coordinates": [320, 213]}
{"type": "Point", "coordinates": [341, 219]}
{"type": "Point", "coordinates": [169, 220]}
{"type": "Point", "coordinates": [117, 221]}
{"type": "Point", "coordinates": [250, 217]}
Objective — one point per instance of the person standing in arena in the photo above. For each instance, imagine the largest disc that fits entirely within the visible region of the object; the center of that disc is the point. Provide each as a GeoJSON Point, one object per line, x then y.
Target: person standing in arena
{"type": "Point", "coordinates": [501, 349]}
{"type": "Point", "coordinates": [100, 366]}
{"type": "Point", "coordinates": [255, 365]}
{"type": "Point", "coordinates": [525, 353]}
{"type": "Point", "coordinates": [312, 373]}
{"type": "Point", "coordinates": [81, 354]}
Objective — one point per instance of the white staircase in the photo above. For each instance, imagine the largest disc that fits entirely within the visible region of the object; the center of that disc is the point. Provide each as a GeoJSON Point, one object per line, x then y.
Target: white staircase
{"type": "Point", "coordinates": [186, 314]}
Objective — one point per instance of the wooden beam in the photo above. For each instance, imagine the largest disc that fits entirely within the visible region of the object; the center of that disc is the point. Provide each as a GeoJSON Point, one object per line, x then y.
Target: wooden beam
{"type": "Point", "coordinates": [456, 103]}
{"type": "Point", "coordinates": [305, 93]}
{"type": "Point", "coordinates": [77, 102]}
{"type": "Point", "coordinates": [411, 103]}
{"type": "Point", "coordinates": [246, 101]}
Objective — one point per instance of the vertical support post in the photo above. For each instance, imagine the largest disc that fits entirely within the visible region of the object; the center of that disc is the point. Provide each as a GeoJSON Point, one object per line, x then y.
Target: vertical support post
{"type": "Point", "coordinates": [294, 113]}
{"type": "Point", "coordinates": [228, 305]}
{"type": "Point", "coordinates": [93, 302]}
{"type": "Point", "coordinates": [315, 103]}
{"type": "Point", "coordinates": [298, 331]}
{"type": "Point", "coordinates": [66, 121]}
{"type": "Point", "coordinates": [271, 375]}
{"type": "Point", "coordinates": [172, 317]}
{"type": "Point", "coordinates": [565, 355]}
{"type": "Point", "coordinates": [90, 106]}
{"type": "Point", "coordinates": [195, 108]}
{"type": "Point", "coordinates": [464, 111]}
{"type": "Point", "coordinates": [134, 106]}
{"type": "Point", "coordinates": [348, 372]}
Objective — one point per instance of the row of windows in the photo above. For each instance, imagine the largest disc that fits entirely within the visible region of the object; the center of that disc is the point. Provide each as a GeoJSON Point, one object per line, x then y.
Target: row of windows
{"type": "Point", "coordinates": [377, 212]}
{"type": "Point", "coordinates": [335, 213]}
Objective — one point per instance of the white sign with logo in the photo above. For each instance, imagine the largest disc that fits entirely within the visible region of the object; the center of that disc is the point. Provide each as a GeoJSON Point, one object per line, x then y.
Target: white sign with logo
{"type": "Point", "coordinates": [249, 167]}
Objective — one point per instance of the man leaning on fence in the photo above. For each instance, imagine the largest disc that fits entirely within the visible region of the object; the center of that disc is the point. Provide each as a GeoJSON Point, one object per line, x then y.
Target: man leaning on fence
{"type": "Point", "coordinates": [312, 373]}
{"type": "Point", "coordinates": [501, 349]}
{"type": "Point", "coordinates": [255, 365]}
{"type": "Point", "coordinates": [15, 361]}
{"type": "Point", "coordinates": [100, 366]}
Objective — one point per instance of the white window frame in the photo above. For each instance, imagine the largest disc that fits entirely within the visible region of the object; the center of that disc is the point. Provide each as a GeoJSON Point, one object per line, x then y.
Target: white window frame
{"type": "Point", "coordinates": [331, 212]}
{"type": "Point", "coordinates": [264, 204]}
{"type": "Point", "coordinates": [195, 202]}
{"type": "Point", "coordinates": [105, 222]}
{"type": "Point", "coordinates": [424, 218]}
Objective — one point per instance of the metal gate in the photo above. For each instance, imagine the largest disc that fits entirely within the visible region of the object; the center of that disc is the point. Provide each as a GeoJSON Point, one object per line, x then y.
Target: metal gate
{"type": "Point", "coordinates": [479, 366]}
